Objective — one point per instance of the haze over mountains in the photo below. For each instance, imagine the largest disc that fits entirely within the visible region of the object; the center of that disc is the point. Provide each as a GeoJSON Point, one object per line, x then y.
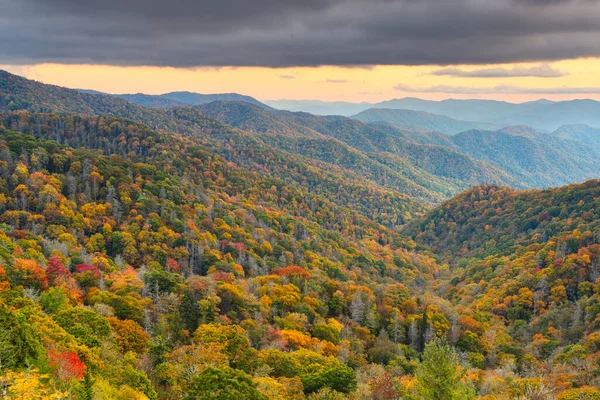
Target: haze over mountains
{"type": "Point", "coordinates": [420, 120]}
{"type": "Point", "coordinates": [453, 115]}
{"type": "Point", "coordinates": [541, 114]}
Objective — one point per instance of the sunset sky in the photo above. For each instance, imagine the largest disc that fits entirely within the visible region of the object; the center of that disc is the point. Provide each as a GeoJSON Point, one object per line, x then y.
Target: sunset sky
{"type": "Point", "coordinates": [346, 50]}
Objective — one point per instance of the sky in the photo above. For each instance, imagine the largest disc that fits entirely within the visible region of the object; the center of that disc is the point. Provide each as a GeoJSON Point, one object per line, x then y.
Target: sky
{"type": "Point", "coordinates": [330, 50]}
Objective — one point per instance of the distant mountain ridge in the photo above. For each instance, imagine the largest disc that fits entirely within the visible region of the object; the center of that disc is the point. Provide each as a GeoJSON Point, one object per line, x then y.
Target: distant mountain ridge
{"type": "Point", "coordinates": [410, 119]}
{"type": "Point", "coordinates": [542, 114]}
{"type": "Point", "coordinates": [178, 99]}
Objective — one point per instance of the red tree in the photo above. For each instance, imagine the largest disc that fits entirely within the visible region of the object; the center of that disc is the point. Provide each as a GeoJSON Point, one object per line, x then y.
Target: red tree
{"type": "Point", "coordinates": [66, 365]}
{"type": "Point", "coordinates": [56, 270]}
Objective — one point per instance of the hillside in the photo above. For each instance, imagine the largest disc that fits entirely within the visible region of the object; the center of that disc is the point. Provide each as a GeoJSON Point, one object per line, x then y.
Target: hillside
{"type": "Point", "coordinates": [178, 99]}
{"type": "Point", "coordinates": [159, 239]}
{"type": "Point", "coordinates": [538, 160]}
{"type": "Point", "coordinates": [151, 101]}
{"type": "Point", "coordinates": [332, 139]}
{"type": "Point", "coordinates": [519, 156]}
{"type": "Point", "coordinates": [496, 220]}
{"type": "Point", "coordinates": [527, 264]}
{"type": "Point", "coordinates": [588, 137]}
{"type": "Point", "coordinates": [342, 186]}
{"type": "Point", "coordinates": [543, 114]}
{"type": "Point", "coordinates": [155, 253]}
{"type": "Point", "coordinates": [412, 120]}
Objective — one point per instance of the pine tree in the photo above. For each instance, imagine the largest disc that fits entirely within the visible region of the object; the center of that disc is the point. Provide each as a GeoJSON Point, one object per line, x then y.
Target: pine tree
{"type": "Point", "coordinates": [86, 392]}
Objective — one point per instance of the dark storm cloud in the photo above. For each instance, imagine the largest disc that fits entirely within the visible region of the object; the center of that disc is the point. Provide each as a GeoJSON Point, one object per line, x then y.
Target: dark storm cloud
{"type": "Point", "coordinates": [276, 33]}
{"type": "Point", "coordinates": [540, 71]}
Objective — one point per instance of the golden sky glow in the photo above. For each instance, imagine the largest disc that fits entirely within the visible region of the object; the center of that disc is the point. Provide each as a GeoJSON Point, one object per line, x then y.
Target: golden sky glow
{"type": "Point", "coordinates": [321, 83]}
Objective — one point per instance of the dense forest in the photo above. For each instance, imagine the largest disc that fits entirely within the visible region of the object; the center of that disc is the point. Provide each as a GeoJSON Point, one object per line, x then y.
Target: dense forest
{"type": "Point", "coordinates": [221, 252]}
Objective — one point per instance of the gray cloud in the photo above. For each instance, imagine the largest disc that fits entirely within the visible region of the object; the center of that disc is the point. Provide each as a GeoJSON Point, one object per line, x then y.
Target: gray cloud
{"type": "Point", "coordinates": [287, 76]}
{"type": "Point", "coordinates": [541, 71]}
{"type": "Point", "coordinates": [336, 81]}
{"type": "Point", "coordinates": [500, 89]}
{"type": "Point", "coordinates": [279, 33]}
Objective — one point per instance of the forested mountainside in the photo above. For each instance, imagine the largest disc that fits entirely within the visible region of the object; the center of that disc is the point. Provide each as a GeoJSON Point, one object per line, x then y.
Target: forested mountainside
{"type": "Point", "coordinates": [410, 119]}
{"type": "Point", "coordinates": [452, 171]}
{"type": "Point", "coordinates": [119, 273]}
{"type": "Point", "coordinates": [536, 159]}
{"type": "Point", "coordinates": [178, 99]}
{"type": "Point", "coordinates": [330, 180]}
{"type": "Point", "coordinates": [584, 134]}
{"type": "Point", "coordinates": [360, 147]}
{"type": "Point", "coordinates": [541, 114]}
{"type": "Point", "coordinates": [527, 264]}
{"type": "Point", "coordinates": [426, 166]}
{"type": "Point", "coordinates": [517, 156]}
{"type": "Point", "coordinates": [221, 252]}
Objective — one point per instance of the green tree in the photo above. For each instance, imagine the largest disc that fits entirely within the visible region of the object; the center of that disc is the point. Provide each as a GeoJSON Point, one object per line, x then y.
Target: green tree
{"type": "Point", "coordinates": [18, 345]}
{"type": "Point", "coordinates": [440, 376]}
{"type": "Point", "coordinates": [338, 377]}
{"type": "Point", "coordinates": [234, 340]}
{"type": "Point", "coordinates": [223, 384]}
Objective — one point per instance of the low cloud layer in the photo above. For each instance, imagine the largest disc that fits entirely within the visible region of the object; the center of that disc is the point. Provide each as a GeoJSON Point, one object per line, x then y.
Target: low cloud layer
{"type": "Point", "coordinates": [540, 71]}
{"type": "Point", "coordinates": [500, 89]}
{"type": "Point", "coordinates": [279, 33]}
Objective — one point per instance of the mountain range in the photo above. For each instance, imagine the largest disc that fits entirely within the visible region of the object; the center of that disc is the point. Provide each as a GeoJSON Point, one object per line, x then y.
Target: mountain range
{"type": "Point", "coordinates": [414, 120]}
{"type": "Point", "coordinates": [173, 250]}
{"type": "Point", "coordinates": [542, 114]}
{"type": "Point", "coordinates": [398, 152]}
{"type": "Point", "coordinates": [449, 116]}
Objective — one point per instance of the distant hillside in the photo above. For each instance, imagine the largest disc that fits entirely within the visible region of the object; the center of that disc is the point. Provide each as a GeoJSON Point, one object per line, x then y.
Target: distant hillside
{"type": "Point", "coordinates": [519, 156]}
{"type": "Point", "coordinates": [495, 220]}
{"type": "Point", "coordinates": [151, 101]}
{"type": "Point", "coordinates": [542, 114]}
{"type": "Point", "coordinates": [18, 93]}
{"type": "Point", "coordinates": [410, 119]}
{"type": "Point", "coordinates": [251, 118]}
{"type": "Point", "coordinates": [177, 99]}
{"type": "Point", "coordinates": [586, 135]}
{"type": "Point", "coordinates": [416, 158]}
{"type": "Point", "coordinates": [197, 98]}
{"type": "Point", "coordinates": [317, 176]}
{"type": "Point", "coordinates": [319, 107]}
{"type": "Point", "coordinates": [537, 159]}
